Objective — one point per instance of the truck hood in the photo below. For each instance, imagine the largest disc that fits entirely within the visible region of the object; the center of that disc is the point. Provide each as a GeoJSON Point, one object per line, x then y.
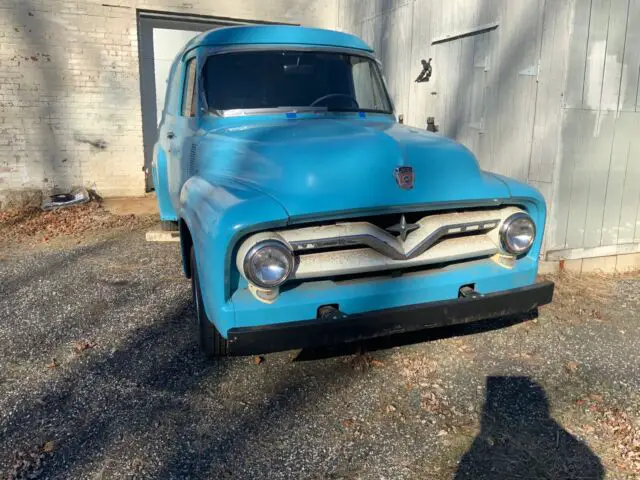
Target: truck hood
{"type": "Point", "coordinates": [314, 167]}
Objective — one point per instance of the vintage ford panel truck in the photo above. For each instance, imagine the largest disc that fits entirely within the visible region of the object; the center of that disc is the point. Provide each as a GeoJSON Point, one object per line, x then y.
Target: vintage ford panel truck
{"type": "Point", "coordinates": [308, 215]}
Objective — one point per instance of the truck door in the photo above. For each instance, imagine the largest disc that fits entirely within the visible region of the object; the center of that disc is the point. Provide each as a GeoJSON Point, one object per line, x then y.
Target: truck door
{"type": "Point", "coordinates": [180, 135]}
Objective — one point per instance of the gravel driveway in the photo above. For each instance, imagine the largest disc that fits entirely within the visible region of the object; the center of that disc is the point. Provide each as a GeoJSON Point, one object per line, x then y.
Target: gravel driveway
{"type": "Point", "coordinates": [101, 377]}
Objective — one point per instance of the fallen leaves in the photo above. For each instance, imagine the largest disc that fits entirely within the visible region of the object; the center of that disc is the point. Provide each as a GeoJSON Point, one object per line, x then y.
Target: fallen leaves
{"type": "Point", "coordinates": [53, 364]}
{"type": "Point", "coordinates": [71, 221]}
{"type": "Point", "coordinates": [615, 430]}
{"type": "Point", "coordinates": [432, 402]}
{"type": "Point", "coordinates": [363, 362]}
{"type": "Point", "coordinates": [377, 363]}
{"type": "Point", "coordinates": [626, 439]}
{"type": "Point", "coordinates": [258, 359]}
{"type": "Point", "coordinates": [83, 345]}
{"type": "Point", "coordinates": [572, 367]}
{"type": "Point", "coordinates": [48, 446]}
{"type": "Point", "coordinates": [30, 464]}
{"type": "Point", "coordinates": [348, 423]}
{"type": "Point", "coordinates": [416, 368]}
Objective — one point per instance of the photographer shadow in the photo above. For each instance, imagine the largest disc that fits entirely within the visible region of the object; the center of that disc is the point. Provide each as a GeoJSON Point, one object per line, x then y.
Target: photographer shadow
{"type": "Point", "coordinates": [520, 439]}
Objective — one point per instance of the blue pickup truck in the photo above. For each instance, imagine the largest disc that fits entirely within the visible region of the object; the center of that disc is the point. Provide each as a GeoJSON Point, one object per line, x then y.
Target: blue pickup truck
{"type": "Point", "coordinates": [308, 215]}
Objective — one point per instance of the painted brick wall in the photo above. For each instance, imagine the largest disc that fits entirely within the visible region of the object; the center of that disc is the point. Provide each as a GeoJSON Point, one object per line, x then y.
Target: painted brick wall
{"type": "Point", "coordinates": [69, 86]}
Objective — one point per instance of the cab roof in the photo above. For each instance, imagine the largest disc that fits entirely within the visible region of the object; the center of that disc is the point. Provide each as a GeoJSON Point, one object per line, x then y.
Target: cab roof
{"type": "Point", "coordinates": [276, 35]}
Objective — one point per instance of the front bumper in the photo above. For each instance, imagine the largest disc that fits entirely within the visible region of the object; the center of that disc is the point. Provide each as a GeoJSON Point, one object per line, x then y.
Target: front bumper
{"type": "Point", "coordinates": [319, 332]}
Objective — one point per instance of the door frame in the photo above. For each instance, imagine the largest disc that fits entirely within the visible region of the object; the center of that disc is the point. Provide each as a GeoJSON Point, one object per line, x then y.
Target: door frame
{"type": "Point", "coordinates": [146, 21]}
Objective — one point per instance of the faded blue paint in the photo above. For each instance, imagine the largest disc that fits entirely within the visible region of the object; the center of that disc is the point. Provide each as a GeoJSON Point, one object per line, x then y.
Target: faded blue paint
{"type": "Point", "coordinates": [161, 185]}
{"type": "Point", "coordinates": [302, 302]}
{"type": "Point", "coordinates": [259, 172]}
{"type": "Point", "coordinates": [275, 35]}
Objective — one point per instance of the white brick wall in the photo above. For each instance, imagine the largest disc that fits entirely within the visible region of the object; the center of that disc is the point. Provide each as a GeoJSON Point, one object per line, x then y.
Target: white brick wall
{"type": "Point", "coordinates": [69, 87]}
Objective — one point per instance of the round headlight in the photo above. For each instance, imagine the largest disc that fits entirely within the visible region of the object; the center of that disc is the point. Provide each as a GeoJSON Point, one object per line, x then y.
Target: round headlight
{"type": "Point", "coordinates": [268, 264]}
{"type": "Point", "coordinates": [518, 233]}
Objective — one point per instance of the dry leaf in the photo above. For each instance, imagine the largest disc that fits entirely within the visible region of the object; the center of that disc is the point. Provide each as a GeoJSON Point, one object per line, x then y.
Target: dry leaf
{"type": "Point", "coordinates": [48, 446]}
{"type": "Point", "coordinates": [377, 363]}
{"type": "Point", "coordinates": [391, 408]}
{"type": "Point", "coordinates": [80, 347]}
{"type": "Point", "coordinates": [572, 367]}
{"type": "Point", "coordinates": [347, 423]}
{"type": "Point", "coordinates": [53, 364]}
{"type": "Point", "coordinates": [258, 359]}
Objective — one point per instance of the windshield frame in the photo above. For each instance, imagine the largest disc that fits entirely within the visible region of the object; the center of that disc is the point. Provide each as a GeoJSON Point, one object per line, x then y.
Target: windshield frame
{"type": "Point", "coordinates": [211, 51]}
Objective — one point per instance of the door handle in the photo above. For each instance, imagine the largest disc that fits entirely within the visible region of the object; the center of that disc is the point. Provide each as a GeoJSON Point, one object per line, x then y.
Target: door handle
{"type": "Point", "coordinates": [171, 135]}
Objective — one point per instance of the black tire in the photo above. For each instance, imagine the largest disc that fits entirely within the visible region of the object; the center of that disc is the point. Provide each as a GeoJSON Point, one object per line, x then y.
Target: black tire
{"type": "Point", "coordinates": [212, 343]}
{"type": "Point", "coordinates": [168, 226]}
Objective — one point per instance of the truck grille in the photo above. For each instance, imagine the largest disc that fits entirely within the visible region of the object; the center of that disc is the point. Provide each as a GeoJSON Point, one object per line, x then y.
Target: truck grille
{"type": "Point", "coordinates": [375, 245]}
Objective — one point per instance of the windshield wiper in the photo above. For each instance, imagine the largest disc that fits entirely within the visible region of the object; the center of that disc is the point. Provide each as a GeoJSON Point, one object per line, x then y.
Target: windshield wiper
{"type": "Point", "coordinates": [235, 112]}
{"type": "Point", "coordinates": [343, 109]}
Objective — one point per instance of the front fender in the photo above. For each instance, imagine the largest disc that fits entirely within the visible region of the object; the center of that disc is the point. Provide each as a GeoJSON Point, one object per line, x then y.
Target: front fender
{"type": "Point", "coordinates": [161, 184]}
{"type": "Point", "coordinates": [532, 200]}
{"type": "Point", "coordinates": [217, 217]}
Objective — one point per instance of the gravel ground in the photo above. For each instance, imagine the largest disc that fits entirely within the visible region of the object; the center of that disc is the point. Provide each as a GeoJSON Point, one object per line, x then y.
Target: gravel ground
{"type": "Point", "coordinates": [101, 377]}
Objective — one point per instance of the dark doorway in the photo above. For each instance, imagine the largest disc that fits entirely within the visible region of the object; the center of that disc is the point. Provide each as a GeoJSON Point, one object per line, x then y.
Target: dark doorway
{"type": "Point", "coordinates": [160, 38]}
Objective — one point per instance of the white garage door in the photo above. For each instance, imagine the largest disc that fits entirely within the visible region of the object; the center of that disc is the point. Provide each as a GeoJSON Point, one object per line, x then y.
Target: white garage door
{"type": "Point", "coordinates": [166, 45]}
{"type": "Point", "coordinates": [161, 38]}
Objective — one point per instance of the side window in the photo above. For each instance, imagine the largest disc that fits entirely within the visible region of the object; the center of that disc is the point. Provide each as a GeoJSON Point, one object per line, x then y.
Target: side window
{"type": "Point", "coordinates": [173, 87]}
{"type": "Point", "coordinates": [188, 92]}
{"type": "Point", "coordinates": [365, 82]}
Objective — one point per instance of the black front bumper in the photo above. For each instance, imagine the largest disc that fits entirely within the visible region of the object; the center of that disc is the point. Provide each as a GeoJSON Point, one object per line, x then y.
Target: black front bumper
{"type": "Point", "coordinates": [351, 328]}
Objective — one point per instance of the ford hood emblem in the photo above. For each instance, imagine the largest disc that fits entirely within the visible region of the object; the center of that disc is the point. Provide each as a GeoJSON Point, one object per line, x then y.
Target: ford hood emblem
{"type": "Point", "coordinates": [404, 177]}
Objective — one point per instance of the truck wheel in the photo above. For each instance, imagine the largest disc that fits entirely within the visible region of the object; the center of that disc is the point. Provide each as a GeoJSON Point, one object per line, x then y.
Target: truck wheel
{"type": "Point", "coordinates": [212, 343]}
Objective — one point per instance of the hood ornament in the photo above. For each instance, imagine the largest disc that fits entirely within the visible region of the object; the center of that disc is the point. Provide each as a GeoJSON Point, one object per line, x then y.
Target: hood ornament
{"type": "Point", "coordinates": [403, 228]}
{"type": "Point", "coordinates": [404, 177]}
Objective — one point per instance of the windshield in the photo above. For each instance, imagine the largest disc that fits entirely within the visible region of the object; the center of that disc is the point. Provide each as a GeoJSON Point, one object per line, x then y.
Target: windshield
{"type": "Point", "coordinates": [294, 79]}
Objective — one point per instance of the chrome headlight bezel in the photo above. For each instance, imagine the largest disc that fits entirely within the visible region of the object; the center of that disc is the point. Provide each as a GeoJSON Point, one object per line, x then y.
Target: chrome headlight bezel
{"type": "Point", "coordinates": [505, 240]}
{"type": "Point", "coordinates": [248, 269]}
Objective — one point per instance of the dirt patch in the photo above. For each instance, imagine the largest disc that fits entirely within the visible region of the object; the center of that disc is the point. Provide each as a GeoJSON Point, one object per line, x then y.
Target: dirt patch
{"type": "Point", "coordinates": [147, 205]}
{"type": "Point", "coordinates": [32, 226]}
{"type": "Point", "coordinates": [582, 297]}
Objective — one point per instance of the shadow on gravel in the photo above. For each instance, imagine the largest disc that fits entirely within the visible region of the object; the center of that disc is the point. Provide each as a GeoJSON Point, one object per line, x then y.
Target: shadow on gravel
{"type": "Point", "coordinates": [137, 390]}
{"type": "Point", "coordinates": [519, 439]}
{"type": "Point", "coordinates": [62, 259]}
{"type": "Point", "coordinates": [411, 338]}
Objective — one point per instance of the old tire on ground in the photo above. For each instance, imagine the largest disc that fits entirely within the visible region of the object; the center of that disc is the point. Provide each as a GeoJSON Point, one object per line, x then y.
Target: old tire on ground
{"type": "Point", "coordinates": [168, 226]}
{"type": "Point", "coordinates": [212, 343]}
